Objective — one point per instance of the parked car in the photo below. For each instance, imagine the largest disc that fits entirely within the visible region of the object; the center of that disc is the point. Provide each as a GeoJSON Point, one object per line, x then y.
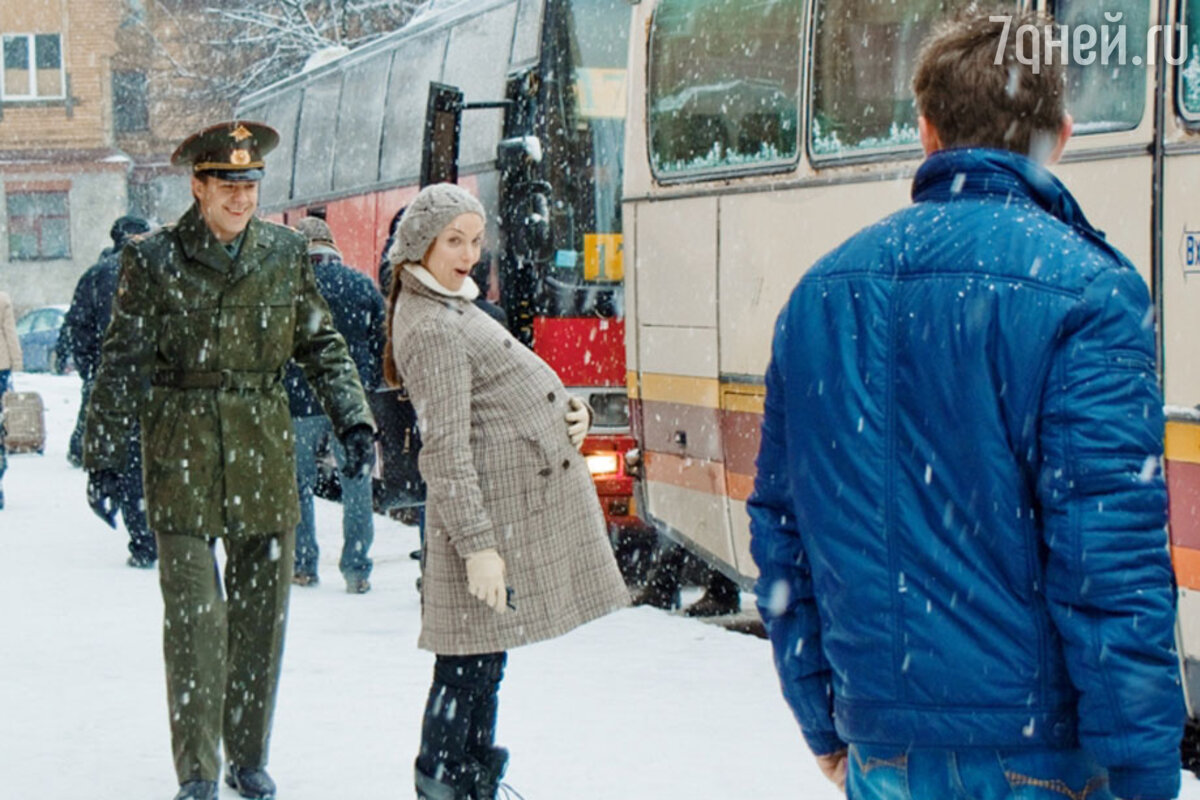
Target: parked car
{"type": "Point", "coordinates": [38, 330]}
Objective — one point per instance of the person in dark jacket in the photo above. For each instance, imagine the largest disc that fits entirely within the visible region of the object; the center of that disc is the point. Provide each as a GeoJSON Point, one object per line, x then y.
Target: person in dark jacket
{"type": "Point", "coordinates": [959, 511]}
{"type": "Point", "coordinates": [385, 266]}
{"type": "Point", "coordinates": [83, 328]}
{"type": "Point", "coordinates": [87, 318]}
{"type": "Point", "coordinates": [357, 311]}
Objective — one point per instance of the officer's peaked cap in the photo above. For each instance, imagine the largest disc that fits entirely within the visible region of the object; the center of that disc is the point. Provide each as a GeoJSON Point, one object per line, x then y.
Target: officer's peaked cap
{"type": "Point", "coordinates": [232, 151]}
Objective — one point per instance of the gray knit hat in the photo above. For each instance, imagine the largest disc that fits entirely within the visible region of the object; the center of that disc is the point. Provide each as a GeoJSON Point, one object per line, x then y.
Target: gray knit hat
{"type": "Point", "coordinates": [433, 209]}
{"type": "Point", "coordinates": [316, 231]}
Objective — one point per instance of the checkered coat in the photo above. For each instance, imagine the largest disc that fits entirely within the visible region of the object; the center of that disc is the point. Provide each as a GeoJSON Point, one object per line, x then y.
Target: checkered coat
{"type": "Point", "coordinates": [501, 473]}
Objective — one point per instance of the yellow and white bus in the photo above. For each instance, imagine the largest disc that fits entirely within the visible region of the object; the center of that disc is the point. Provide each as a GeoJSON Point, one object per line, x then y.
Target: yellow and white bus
{"type": "Point", "coordinates": [762, 133]}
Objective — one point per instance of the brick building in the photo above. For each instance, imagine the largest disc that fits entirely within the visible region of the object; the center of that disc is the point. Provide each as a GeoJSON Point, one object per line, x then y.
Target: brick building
{"type": "Point", "coordinates": [90, 110]}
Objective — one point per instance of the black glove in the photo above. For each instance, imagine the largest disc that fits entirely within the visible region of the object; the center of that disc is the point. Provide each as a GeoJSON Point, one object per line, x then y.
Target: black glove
{"type": "Point", "coordinates": [359, 443]}
{"type": "Point", "coordinates": [103, 491]}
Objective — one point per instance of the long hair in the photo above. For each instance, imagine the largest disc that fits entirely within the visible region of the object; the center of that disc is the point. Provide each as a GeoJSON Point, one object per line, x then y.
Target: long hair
{"type": "Point", "coordinates": [391, 375]}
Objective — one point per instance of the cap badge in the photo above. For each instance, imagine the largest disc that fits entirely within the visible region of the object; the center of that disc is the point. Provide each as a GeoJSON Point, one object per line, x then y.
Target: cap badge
{"type": "Point", "coordinates": [239, 133]}
{"type": "Point", "coordinates": [239, 158]}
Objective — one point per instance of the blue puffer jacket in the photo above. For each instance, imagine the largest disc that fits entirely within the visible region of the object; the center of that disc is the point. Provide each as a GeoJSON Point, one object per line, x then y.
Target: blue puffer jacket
{"type": "Point", "coordinates": [959, 509]}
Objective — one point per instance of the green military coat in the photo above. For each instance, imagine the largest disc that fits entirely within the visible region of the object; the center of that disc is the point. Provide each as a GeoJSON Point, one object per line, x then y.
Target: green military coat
{"type": "Point", "coordinates": [196, 348]}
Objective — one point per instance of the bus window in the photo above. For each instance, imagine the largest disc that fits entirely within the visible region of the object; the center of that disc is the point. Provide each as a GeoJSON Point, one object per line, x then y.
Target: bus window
{"type": "Point", "coordinates": [723, 86]}
{"type": "Point", "coordinates": [1112, 96]}
{"type": "Point", "coordinates": [864, 52]}
{"type": "Point", "coordinates": [584, 130]}
{"type": "Point", "coordinates": [1189, 75]}
{"type": "Point", "coordinates": [317, 136]}
{"type": "Point", "coordinates": [414, 64]}
{"type": "Point", "coordinates": [481, 39]}
{"type": "Point", "coordinates": [280, 112]}
{"type": "Point", "coordinates": [360, 121]}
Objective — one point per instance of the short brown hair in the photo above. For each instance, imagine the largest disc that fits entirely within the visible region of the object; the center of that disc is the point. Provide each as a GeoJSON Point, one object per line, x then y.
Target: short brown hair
{"type": "Point", "coordinates": [979, 96]}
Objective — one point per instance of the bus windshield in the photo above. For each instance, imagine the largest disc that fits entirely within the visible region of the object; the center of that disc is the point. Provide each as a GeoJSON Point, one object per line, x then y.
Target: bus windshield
{"type": "Point", "coordinates": [584, 128]}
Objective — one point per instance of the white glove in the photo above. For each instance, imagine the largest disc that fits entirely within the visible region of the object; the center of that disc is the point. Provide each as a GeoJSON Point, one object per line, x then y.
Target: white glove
{"type": "Point", "coordinates": [485, 578]}
{"type": "Point", "coordinates": [579, 419]}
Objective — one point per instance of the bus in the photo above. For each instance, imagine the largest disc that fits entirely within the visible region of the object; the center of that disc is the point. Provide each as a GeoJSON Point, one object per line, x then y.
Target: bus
{"type": "Point", "coordinates": [762, 134]}
{"type": "Point", "coordinates": [535, 94]}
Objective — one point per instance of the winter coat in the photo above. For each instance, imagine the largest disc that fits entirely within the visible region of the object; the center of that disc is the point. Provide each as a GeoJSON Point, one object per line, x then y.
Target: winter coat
{"type": "Point", "coordinates": [958, 513]}
{"type": "Point", "coordinates": [357, 312]}
{"type": "Point", "coordinates": [10, 346]}
{"type": "Point", "coordinates": [501, 472]}
{"type": "Point", "coordinates": [91, 309]}
{"type": "Point", "coordinates": [197, 348]}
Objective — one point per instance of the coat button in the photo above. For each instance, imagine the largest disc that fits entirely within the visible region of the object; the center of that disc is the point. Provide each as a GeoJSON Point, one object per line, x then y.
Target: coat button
{"type": "Point", "coordinates": [544, 472]}
{"type": "Point", "coordinates": [508, 343]}
{"type": "Point", "coordinates": [566, 463]}
{"type": "Point", "coordinates": [550, 397]}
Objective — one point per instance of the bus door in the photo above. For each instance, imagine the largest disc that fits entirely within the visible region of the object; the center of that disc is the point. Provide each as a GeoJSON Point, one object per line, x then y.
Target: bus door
{"type": "Point", "coordinates": [679, 377]}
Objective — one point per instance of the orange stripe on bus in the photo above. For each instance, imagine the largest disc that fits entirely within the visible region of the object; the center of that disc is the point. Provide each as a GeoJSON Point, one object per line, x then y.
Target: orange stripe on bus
{"type": "Point", "coordinates": [740, 486]}
{"type": "Point", "coordinates": [1187, 566]}
{"type": "Point", "coordinates": [686, 473]}
{"type": "Point", "coordinates": [684, 389]}
{"type": "Point", "coordinates": [1182, 441]}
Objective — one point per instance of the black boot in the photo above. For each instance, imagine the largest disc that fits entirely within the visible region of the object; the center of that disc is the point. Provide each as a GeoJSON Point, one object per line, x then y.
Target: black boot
{"type": "Point", "coordinates": [721, 597]}
{"type": "Point", "coordinates": [251, 782]}
{"type": "Point", "coordinates": [197, 790]}
{"type": "Point", "coordinates": [448, 781]}
{"type": "Point", "coordinates": [492, 764]}
{"type": "Point", "coordinates": [662, 587]}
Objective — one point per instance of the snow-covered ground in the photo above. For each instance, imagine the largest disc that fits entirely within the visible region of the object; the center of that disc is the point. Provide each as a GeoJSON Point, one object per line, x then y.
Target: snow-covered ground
{"type": "Point", "coordinates": [642, 705]}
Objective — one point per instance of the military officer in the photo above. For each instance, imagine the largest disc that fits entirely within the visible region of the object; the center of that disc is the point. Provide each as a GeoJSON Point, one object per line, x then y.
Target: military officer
{"type": "Point", "coordinates": [208, 312]}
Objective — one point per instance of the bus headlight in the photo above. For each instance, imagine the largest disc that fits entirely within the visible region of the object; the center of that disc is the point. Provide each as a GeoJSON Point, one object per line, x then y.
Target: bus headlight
{"type": "Point", "coordinates": [602, 463]}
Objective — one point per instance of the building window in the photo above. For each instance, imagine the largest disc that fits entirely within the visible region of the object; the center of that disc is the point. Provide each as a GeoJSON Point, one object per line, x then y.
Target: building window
{"type": "Point", "coordinates": [131, 113]}
{"type": "Point", "coordinates": [39, 225]}
{"type": "Point", "coordinates": [33, 66]}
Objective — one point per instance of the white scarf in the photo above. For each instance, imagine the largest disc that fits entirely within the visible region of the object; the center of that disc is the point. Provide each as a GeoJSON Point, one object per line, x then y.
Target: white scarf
{"type": "Point", "coordinates": [468, 291]}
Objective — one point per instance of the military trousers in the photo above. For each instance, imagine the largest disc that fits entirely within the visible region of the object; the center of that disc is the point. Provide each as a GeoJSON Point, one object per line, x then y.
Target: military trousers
{"type": "Point", "coordinates": [223, 649]}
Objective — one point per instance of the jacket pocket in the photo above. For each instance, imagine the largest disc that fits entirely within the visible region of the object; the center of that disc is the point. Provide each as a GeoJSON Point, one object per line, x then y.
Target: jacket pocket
{"type": "Point", "coordinates": [513, 480]}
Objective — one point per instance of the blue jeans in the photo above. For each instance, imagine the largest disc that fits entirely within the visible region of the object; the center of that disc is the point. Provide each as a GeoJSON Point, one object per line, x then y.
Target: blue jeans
{"type": "Point", "coordinates": [894, 773]}
{"type": "Point", "coordinates": [358, 524]}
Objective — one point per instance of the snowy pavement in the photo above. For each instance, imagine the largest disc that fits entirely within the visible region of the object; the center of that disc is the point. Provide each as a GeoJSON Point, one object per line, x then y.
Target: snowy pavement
{"type": "Point", "coordinates": [641, 705]}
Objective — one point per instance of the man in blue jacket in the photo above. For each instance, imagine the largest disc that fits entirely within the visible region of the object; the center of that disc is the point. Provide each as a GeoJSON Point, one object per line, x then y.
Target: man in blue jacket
{"type": "Point", "coordinates": [959, 509]}
{"type": "Point", "coordinates": [357, 312]}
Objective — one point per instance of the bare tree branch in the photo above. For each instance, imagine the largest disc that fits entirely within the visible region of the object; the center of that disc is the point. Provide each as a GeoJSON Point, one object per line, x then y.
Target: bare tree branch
{"type": "Point", "coordinates": [223, 49]}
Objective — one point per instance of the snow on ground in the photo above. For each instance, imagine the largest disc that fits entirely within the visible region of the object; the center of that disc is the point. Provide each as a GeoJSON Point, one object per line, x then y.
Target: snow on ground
{"type": "Point", "coordinates": [642, 705]}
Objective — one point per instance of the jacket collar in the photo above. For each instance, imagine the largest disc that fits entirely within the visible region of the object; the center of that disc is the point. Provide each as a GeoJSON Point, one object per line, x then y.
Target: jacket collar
{"type": "Point", "coordinates": [468, 291]}
{"type": "Point", "coordinates": [200, 245]}
{"type": "Point", "coordinates": [983, 173]}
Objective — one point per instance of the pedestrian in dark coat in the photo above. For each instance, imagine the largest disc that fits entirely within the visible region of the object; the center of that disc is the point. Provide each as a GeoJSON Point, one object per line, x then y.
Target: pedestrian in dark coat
{"type": "Point", "coordinates": [357, 311]}
{"type": "Point", "coordinates": [207, 314]}
{"type": "Point", "coordinates": [83, 327]}
{"type": "Point", "coordinates": [959, 512]}
{"type": "Point", "coordinates": [515, 546]}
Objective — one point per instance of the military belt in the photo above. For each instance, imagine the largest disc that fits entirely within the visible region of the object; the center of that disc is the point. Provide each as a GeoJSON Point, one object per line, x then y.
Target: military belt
{"type": "Point", "coordinates": [225, 379]}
